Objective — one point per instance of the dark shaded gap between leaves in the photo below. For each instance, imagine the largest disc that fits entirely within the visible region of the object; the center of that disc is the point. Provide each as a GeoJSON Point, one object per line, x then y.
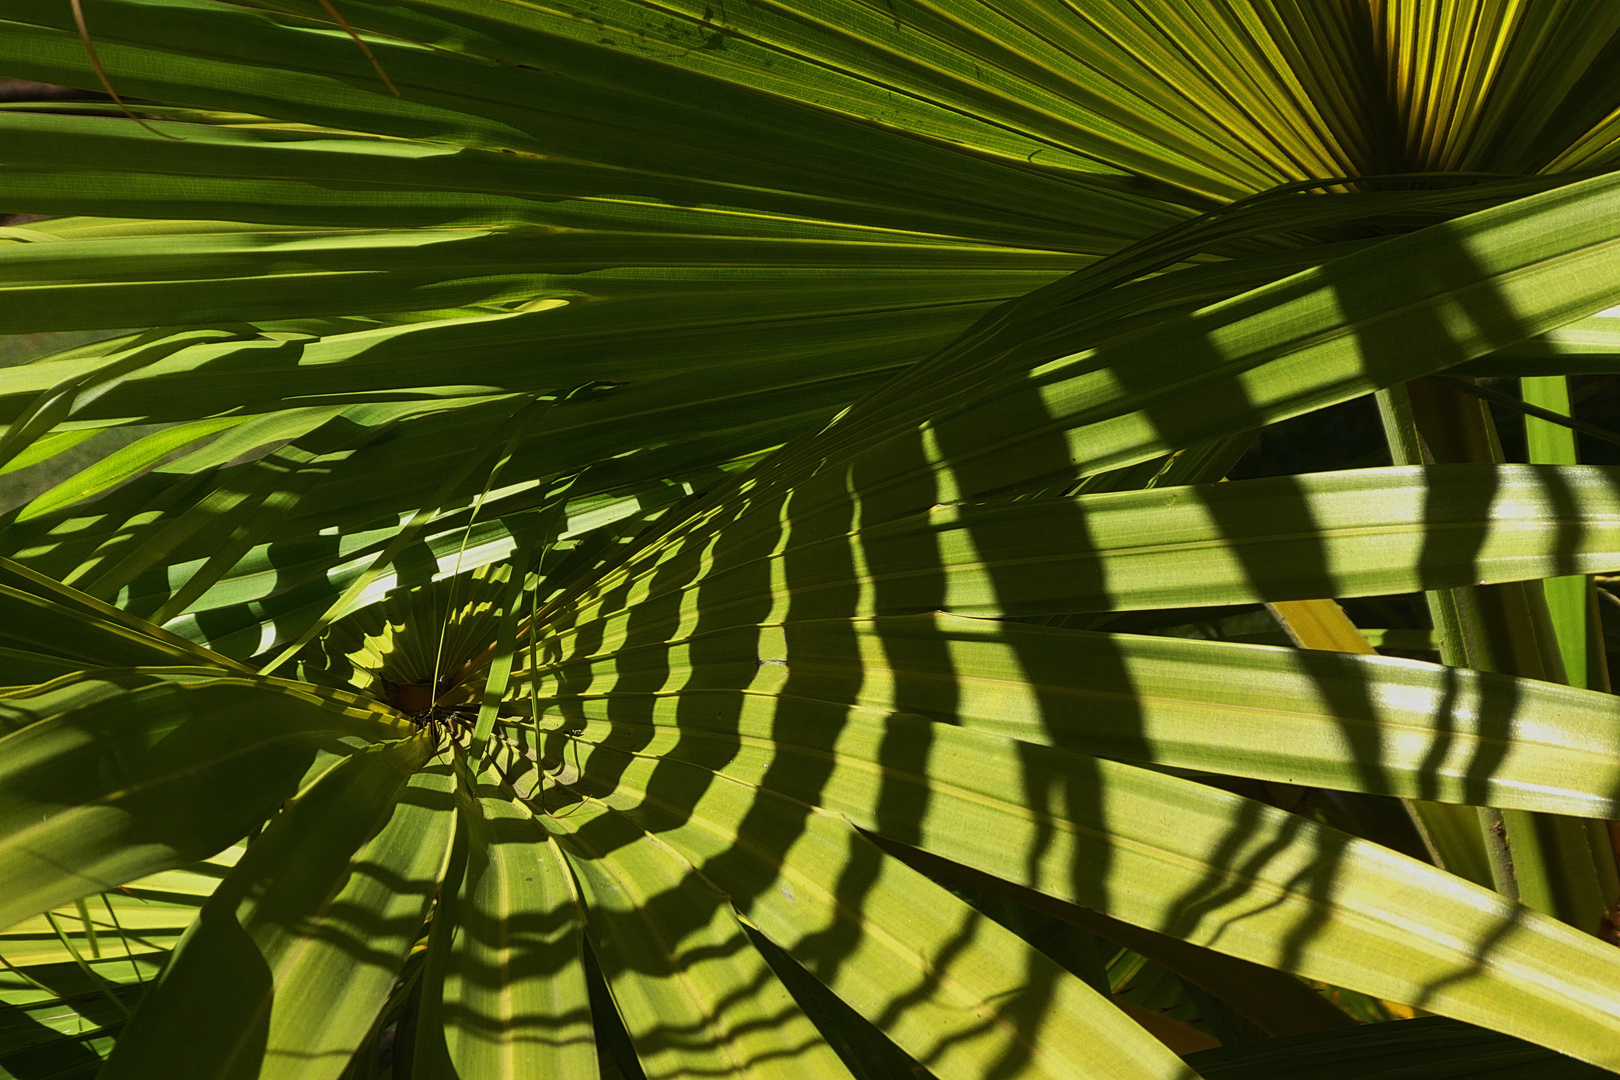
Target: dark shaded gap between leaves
{"type": "Point", "coordinates": [615, 1056]}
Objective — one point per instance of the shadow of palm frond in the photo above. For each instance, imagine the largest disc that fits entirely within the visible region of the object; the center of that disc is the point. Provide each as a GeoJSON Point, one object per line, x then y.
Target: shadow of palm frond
{"type": "Point", "coordinates": [749, 642]}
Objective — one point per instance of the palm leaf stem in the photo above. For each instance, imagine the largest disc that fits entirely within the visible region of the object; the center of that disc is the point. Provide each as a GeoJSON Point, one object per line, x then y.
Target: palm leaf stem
{"type": "Point", "coordinates": [1531, 410]}
{"type": "Point", "coordinates": [1509, 628]}
{"type": "Point", "coordinates": [1460, 839]}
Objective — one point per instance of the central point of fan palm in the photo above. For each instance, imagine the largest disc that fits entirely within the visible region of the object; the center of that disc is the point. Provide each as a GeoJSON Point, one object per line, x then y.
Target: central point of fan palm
{"type": "Point", "coordinates": [411, 699]}
{"type": "Point", "coordinates": [423, 695]}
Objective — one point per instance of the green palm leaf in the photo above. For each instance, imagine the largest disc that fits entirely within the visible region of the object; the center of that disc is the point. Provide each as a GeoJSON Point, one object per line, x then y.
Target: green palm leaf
{"type": "Point", "coordinates": [315, 920]}
{"type": "Point", "coordinates": [711, 494]}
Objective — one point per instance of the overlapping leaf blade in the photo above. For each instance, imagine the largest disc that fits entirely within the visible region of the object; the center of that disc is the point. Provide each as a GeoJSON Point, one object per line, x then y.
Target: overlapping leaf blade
{"type": "Point", "coordinates": [1178, 857]}
{"type": "Point", "coordinates": [293, 956]}
{"type": "Point", "coordinates": [694, 994]}
{"type": "Point", "coordinates": [514, 999]}
{"type": "Point", "coordinates": [754, 219]}
{"type": "Point", "coordinates": [132, 775]}
{"type": "Point", "coordinates": [957, 991]}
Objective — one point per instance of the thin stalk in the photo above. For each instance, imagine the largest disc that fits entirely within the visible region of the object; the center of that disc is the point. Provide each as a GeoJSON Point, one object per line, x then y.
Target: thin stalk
{"type": "Point", "coordinates": [1545, 861]}
{"type": "Point", "coordinates": [129, 952]}
{"type": "Point", "coordinates": [89, 972]}
{"type": "Point", "coordinates": [1544, 397]}
{"type": "Point", "coordinates": [1569, 599]}
{"type": "Point", "coordinates": [1464, 841]}
{"type": "Point", "coordinates": [1572, 606]}
{"type": "Point", "coordinates": [89, 928]}
{"type": "Point", "coordinates": [512, 427]}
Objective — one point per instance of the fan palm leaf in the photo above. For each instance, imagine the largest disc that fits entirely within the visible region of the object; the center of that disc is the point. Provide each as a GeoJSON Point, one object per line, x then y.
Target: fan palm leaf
{"type": "Point", "coordinates": [634, 570]}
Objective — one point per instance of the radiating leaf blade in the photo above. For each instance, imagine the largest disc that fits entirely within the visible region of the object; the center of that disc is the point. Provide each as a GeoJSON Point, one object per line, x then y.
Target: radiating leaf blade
{"type": "Point", "coordinates": [123, 785]}
{"type": "Point", "coordinates": [294, 954]}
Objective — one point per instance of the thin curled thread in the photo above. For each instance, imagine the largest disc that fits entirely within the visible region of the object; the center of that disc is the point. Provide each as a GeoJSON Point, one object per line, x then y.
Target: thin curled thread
{"type": "Point", "coordinates": [537, 796]}
{"type": "Point", "coordinates": [455, 575]}
{"type": "Point", "coordinates": [101, 73]}
{"type": "Point", "coordinates": [453, 727]}
{"type": "Point", "coordinates": [561, 507]}
{"type": "Point", "coordinates": [106, 83]}
{"type": "Point", "coordinates": [347, 29]}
